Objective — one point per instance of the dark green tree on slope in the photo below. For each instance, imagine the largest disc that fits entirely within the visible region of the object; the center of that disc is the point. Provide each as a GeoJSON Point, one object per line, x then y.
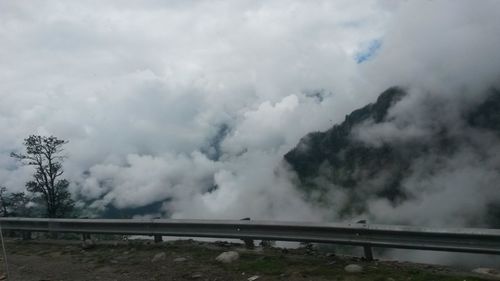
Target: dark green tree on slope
{"type": "Point", "coordinates": [44, 153]}
{"type": "Point", "coordinates": [14, 204]}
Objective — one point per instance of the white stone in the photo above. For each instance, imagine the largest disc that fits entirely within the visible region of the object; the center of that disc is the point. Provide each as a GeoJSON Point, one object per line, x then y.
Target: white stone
{"type": "Point", "coordinates": [180, 260]}
{"type": "Point", "coordinates": [88, 244]}
{"type": "Point", "coordinates": [228, 257]}
{"type": "Point", "coordinates": [253, 278]}
{"type": "Point", "coordinates": [487, 271]}
{"type": "Point", "coordinates": [159, 257]}
{"type": "Point", "coordinates": [353, 268]}
{"type": "Point", "coordinates": [196, 275]}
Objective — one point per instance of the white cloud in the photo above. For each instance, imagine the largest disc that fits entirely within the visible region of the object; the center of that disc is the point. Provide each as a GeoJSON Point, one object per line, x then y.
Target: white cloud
{"type": "Point", "coordinates": [444, 46]}
{"type": "Point", "coordinates": [140, 88]}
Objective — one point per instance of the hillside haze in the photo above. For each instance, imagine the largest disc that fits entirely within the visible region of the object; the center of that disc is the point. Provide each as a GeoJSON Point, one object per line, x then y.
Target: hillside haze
{"type": "Point", "coordinates": [187, 111]}
{"type": "Point", "coordinates": [408, 158]}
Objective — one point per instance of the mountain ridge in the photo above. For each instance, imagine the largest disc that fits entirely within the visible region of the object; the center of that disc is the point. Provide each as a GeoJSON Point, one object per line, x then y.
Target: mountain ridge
{"type": "Point", "coordinates": [340, 158]}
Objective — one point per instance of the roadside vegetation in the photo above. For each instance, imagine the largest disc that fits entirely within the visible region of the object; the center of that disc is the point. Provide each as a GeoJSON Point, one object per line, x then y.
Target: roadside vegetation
{"type": "Point", "coordinates": [194, 260]}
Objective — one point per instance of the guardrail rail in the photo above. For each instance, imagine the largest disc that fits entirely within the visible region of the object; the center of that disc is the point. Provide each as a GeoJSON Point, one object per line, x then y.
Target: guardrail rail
{"type": "Point", "coordinates": [469, 240]}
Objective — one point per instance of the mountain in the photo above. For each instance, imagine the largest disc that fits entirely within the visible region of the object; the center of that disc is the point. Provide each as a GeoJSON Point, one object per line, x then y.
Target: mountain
{"type": "Point", "coordinates": [376, 150]}
{"type": "Point", "coordinates": [335, 155]}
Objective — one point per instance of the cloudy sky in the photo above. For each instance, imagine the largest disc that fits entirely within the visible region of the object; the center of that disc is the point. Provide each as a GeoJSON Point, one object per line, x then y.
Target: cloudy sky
{"type": "Point", "coordinates": [169, 99]}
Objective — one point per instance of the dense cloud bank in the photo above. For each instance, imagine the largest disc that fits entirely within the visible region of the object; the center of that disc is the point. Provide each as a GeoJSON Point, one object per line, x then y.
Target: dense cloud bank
{"type": "Point", "coordinates": [410, 157]}
{"type": "Point", "coordinates": [195, 102]}
{"type": "Point", "coordinates": [453, 182]}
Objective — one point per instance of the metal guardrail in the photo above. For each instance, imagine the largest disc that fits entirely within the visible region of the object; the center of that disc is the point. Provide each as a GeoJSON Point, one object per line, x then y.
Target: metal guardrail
{"type": "Point", "coordinates": [469, 240]}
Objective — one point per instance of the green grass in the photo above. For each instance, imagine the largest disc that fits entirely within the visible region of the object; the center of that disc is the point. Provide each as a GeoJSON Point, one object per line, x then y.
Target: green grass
{"type": "Point", "coordinates": [272, 265]}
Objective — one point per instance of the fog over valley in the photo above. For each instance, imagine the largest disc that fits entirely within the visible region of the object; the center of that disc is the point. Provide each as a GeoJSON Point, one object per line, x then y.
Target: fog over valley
{"type": "Point", "coordinates": [264, 109]}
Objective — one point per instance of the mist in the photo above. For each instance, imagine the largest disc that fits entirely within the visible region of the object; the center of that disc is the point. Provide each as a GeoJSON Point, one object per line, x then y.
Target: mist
{"type": "Point", "coordinates": [190, 103]}
{"type": "Point", "coordinates": [193, 104]}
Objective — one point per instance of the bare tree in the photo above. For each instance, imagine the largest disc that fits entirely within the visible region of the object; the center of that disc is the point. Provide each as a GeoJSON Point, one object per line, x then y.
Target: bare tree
{"type": "Point", "coordinates": [44, 153]}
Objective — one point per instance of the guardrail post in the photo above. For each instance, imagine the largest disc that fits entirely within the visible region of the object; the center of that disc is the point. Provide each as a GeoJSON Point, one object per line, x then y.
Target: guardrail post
{"type": "Point", "coordinates": [158, 238]}
{"type": "Point", "coordinates": [248, 242]}
{"type": "Point", "coordinates": [368, 252]}
{"type": "Point", "coordinates": [26, 235]}
{"type": "Point", "coordinates": [86, 236]}
{"type": "Point", "coordinates": [367, 248]}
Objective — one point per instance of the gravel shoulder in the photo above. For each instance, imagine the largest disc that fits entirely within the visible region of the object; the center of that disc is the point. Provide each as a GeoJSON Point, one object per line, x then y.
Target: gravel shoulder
{"type": "Point", "coordinates": [193, 260]}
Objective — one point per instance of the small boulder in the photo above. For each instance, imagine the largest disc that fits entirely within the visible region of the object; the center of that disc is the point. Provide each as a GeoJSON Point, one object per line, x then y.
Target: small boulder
{"type": "Point", "coordinates": [159, 257]}
{"type": "Point", "coordinates": [487, 271]}
{"type": "Point", "coordinates": [253, 278]}
{"type": "Point", "coordinates": [353, 268]}
{"type": "Point", "coordinates": [180, 259]}
{"type": "Point", "coordinates": [228, 257]}
{"type": "Point", "coordinates": [88, 244]}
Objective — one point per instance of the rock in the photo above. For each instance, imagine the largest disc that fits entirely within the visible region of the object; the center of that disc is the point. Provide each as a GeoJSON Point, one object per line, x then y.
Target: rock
{"type": "Point", "coordinates": [353, 268]}
{"type": "Point", "coordinates": [228, 257]}
{"type": "Point", "coordinates": [180, 260]}
{"type": "Point", "coordinates": [487, 271]}
{"type": "Point", "coordinates": [253, 278]}
{"type": "Point", "coordinates": [88, 244]}
{"type": "Point", "coordinates": [159, 257]}
{"type": "Point", "coordinates": [196, 275]}
{"type": "Point", "coordinates": [3, 277]}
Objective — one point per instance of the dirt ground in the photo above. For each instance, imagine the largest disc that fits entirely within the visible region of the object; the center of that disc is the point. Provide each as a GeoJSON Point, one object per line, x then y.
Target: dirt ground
{"type": "Point", "coordinates": [193, 260]}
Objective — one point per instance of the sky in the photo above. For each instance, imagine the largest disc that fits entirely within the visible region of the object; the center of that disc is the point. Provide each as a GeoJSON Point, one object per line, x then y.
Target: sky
{"type": "Point", "coordinates": [194, 103]}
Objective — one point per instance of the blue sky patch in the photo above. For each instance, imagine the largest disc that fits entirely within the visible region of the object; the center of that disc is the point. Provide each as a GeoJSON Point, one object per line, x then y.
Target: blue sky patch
{"type": "Point", "coordinates": [369, 51]}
